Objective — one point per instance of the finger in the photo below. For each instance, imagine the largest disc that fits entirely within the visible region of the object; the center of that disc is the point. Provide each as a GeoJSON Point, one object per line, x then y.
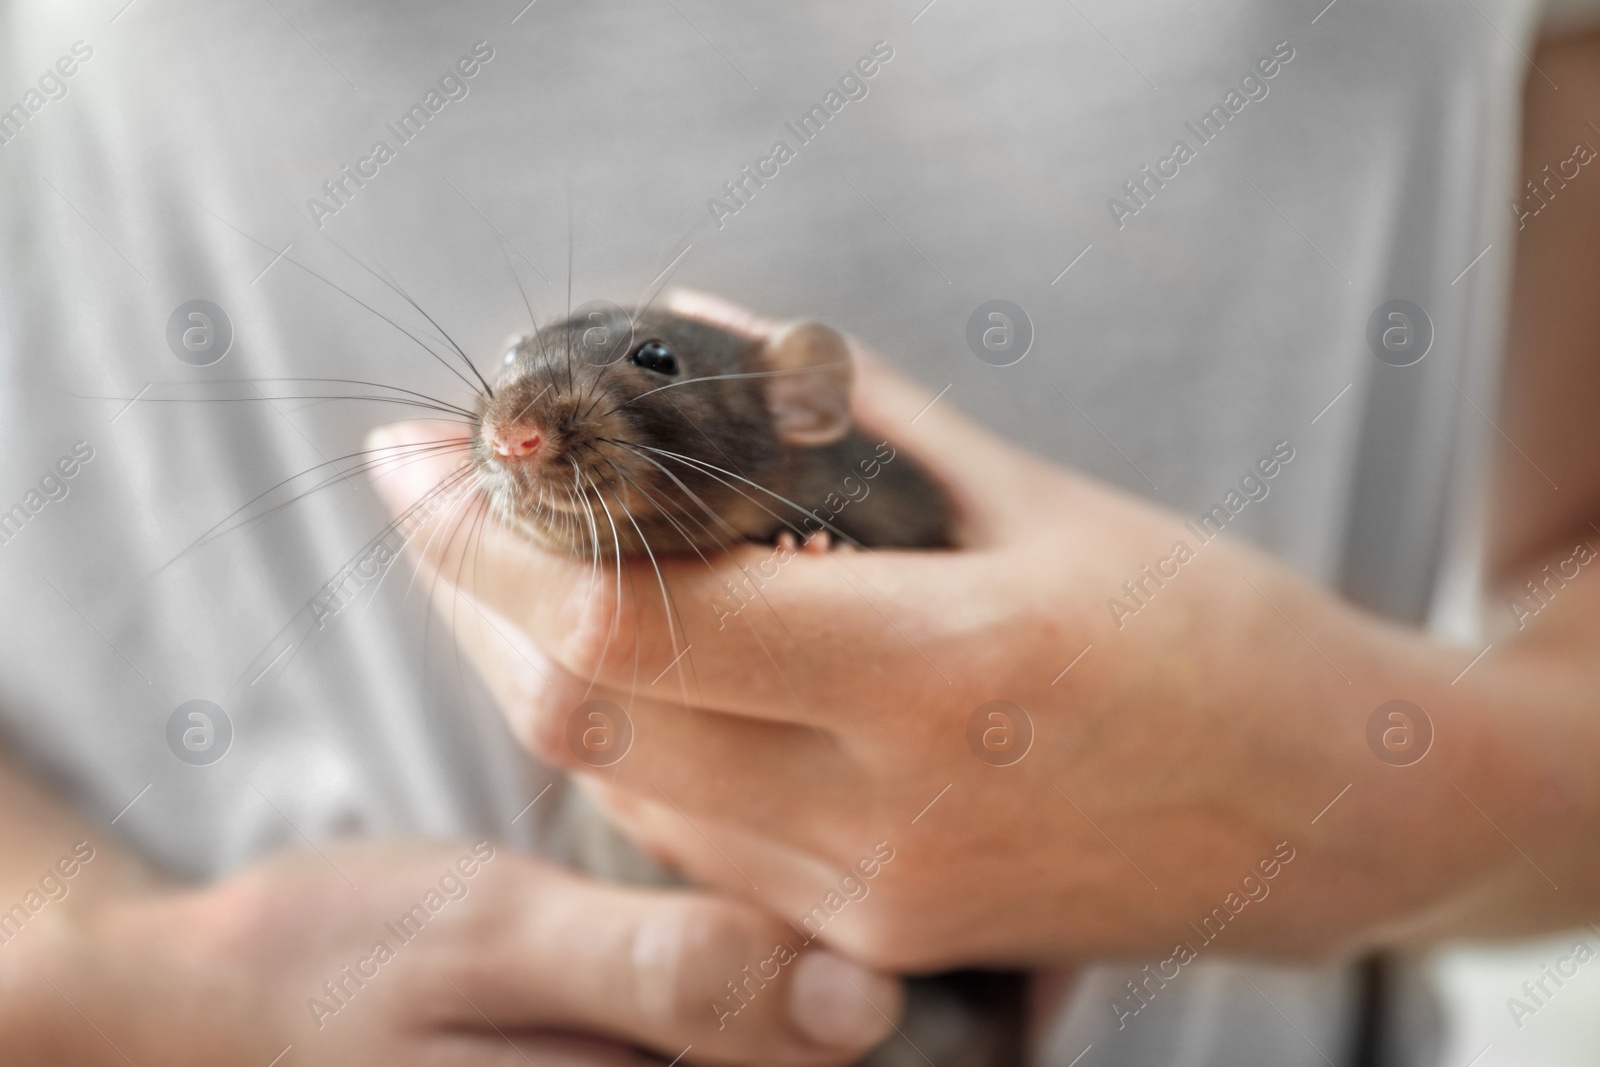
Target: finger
{"type": "Point", "coordinates": [736, 641]}
{"type": "Point", "coordinates": [780, 636]}
{"type": "Point", "coordinates": [996, 488]}
{"type": "Point", "coordinates": [692, 758]}
{"type": "Point", "coordinates": [785, 877]}
{"type": "Point", "coordinates": [708, 308]}
{"type": "Point", "coordinates": [667, 969]}
{"type": "Point", "coordinates": [991, 483]}
{"type": "Point", "coordinates": [611, 624]}
{"type": "Point", "coordinates": [519, 1050]}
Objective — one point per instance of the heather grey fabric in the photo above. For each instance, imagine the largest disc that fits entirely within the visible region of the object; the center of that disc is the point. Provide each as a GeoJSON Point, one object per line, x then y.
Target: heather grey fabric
{"type": "Point", "coordinates": [1174, 346]}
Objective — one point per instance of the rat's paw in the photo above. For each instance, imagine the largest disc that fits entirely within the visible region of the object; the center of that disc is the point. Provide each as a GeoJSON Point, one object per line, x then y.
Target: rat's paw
{"type": "Point", "coordinates": [816, 544]}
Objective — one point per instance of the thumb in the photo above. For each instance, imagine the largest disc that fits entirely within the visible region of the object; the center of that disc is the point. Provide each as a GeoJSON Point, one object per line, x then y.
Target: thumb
{"type": "Point", "coordinates": [410, 461]}
{"type": "Point", "coordinates": [424, 474]}
{"type": "Point", "coordinates": [674, 969]}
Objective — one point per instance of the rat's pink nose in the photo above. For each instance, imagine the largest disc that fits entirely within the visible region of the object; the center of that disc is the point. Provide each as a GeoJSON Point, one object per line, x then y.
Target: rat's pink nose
{"type": "Point", "coordinates": [517, 441]}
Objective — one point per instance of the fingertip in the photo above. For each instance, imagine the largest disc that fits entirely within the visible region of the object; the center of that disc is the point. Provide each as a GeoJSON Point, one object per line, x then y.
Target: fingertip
{"type": "Point", "coordinates": [404, 460]}
{"type": "Point", "coordinates": [413, 432]}
{"type": "Point", "coordinates": [697, 304]}
{"type": "Point", "coordinates": [838, 1003]}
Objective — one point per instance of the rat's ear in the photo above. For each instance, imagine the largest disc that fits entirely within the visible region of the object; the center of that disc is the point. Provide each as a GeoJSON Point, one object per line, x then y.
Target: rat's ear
{"type": "Point", "coordinates": [808, 392]}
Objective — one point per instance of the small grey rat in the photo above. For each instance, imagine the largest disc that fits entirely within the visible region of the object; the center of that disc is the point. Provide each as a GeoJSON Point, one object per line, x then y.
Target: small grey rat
{"type": "Point", "coordinates": [685, 436]}
{"type": "Point", "coordinates": [618, 434]}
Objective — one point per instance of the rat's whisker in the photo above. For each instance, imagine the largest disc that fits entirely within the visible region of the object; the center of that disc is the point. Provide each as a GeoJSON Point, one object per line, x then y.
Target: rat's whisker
{"type": "Point", "coordinates": [529, 405]}
{"type": "Point", "coordinates": [372, 458]}
{"type": "Point", "coordinates": [458, 505]}
{"type": "Point", "coordinates": [366, 551]}
{"type": "Point", "coordinates": [709, 510]}
{"type": "Point", "coordinates": [633, 595]}
{"type": "Point", "coordinates": [756, 586]}
{"type": "Point", "coordinates": [587, 510]}
{"type": "Point", "coordinates": [452, 482]}
{"type": "Point", "coordinates": [712, 470]}
{"type": "Point", "coordinates": [726, 377]}
{"type": "Point", "coordinates": [708, 439]}
{"type": "Point", "coordinates": [675, 627]}
{"type": "Point", "coordinates": [683, 532]}
{"type": "Point", "coordinates": [462, 418]}
{"type": "Point", "coordinates": [593, 396]}
{"type": "Point", "coordinates": [464, 480]}
{"type": "Point", "coordinates": [570, 243]}
{"type": "Point", "coordinates": [616, 542]}
{"type": "Point", "coordinates": [344, 292]}
{"type": "Point", "coordinates": [409, 396]}
{"type": "Point", "coordinates": [474, 536]}
{"type": "Point", "coordinates": [572, 522]}
{"type": "Point", "coordinates": [403, 295]}
{"type": "Point", "coordinates": [452, 522]}
{"type": "Point", "coordinates": [727, 550]}
{"type": "Point", "coordinates": [533, 320]}
{"type": "Point", "coordinates": [457, 408]}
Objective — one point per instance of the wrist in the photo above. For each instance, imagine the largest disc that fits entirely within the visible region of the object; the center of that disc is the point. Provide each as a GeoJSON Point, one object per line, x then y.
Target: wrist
{"type": "Point", "coordinates": [1448, 815]}
{"type": "Point", "coordinates": [1530, 770]}
{"type": "Point", "coordinates": [47, 993]}
{"type": "Point", "coordinates": [1487, 819]}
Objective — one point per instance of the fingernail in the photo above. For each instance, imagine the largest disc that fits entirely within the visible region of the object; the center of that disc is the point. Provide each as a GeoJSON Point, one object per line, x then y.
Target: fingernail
{"type": "Point", "coordinates": [836, 1002]}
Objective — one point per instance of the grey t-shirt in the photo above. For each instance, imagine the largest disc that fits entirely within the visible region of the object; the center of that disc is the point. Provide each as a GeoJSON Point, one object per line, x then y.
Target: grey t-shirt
{"type": "Point", "coordinates": [1191, 310]}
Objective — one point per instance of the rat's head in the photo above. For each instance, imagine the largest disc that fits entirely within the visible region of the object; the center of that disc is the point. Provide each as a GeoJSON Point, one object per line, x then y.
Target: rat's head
{"type": "Point", "coordinates": [611, 432]}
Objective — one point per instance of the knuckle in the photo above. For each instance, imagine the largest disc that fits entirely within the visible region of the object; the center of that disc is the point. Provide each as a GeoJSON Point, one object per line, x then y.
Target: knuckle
{"type": "Point", "coordinates": [891, 942]}
{"type": "Point", "coordinates": [678, 967]}
{"type": "Point", "coordinates": [882, 950]}
{"type": "Point", "coordinates": [541, 727]}
{"type": "Point", "coordinates": [601, 628]}
{"type": "Point", "coordinates": [540, 736]}
{"type": "Point", "coordinates": [240, 919]}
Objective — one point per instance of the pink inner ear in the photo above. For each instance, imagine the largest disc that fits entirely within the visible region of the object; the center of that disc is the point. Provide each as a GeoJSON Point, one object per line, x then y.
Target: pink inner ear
{"type": "Point", "coordinates": [804, 425]}
{"type": "Point", "coordinates": [809, 393]}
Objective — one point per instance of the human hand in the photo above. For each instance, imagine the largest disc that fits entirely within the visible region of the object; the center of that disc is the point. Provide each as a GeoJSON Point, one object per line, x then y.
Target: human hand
{"type": "Point", "coordinates": [1188, 753]}
{"type": "Point", "coordinates": [488, 958]}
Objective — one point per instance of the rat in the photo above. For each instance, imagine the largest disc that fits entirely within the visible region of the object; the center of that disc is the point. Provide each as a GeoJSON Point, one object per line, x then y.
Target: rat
{"type": "Point", "coordinates": [620, 434]}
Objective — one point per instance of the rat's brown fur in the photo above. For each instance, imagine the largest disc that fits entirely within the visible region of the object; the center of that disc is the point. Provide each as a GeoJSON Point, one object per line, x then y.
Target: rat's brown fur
{"type": "Point", "coordinates": [633, 459]}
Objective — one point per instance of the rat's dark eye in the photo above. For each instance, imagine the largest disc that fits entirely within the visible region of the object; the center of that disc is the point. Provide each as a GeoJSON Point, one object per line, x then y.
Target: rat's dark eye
{"type": "Point", "coordinates": [653, 355]}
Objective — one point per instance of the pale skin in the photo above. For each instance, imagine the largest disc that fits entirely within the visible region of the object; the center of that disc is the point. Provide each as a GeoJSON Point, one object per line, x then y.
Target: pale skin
{"type": "Point", "coordinates": [1196, 740]}
{"type": "Point", "coordinates": [528, 964]}
{"type": "Point", "coordinates": [1177, 754]}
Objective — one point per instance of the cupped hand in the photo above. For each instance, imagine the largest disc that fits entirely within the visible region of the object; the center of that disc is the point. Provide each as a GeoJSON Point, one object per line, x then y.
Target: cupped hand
{"type": "Point", "coordinates": [792, 713]}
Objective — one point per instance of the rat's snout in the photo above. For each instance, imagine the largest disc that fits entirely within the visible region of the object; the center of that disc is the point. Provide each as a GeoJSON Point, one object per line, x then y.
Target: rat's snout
{"type": "Point", "coordinates": [525, 422]}
{"type": "Point", "coordinates": [520, 439]}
